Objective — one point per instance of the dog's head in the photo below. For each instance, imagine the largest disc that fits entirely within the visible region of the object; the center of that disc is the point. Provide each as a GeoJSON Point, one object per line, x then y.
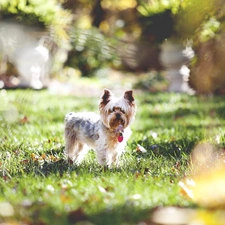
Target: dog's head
{"type": "Point", "coordinates": [117, 112]}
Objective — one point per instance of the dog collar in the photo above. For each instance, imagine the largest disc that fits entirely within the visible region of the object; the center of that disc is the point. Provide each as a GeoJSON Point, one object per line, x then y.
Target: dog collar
{"type": "Point", "coordinates": [118, 131]}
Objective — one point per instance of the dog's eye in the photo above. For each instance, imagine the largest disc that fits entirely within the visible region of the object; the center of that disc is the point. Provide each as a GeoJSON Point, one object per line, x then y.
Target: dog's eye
{"type": "Point", "coordinates": [122, 111]}
{"type": "Point", "coordinates": [111, 110]}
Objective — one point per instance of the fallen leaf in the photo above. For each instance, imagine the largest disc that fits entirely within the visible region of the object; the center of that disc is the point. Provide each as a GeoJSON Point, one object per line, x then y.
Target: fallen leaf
{"type": "Point", "coordinates": [25, 161]}
{"type": "Point", "coordinates": [24, 120]}
{"type": "Point", "coordinates": [65, 198]}
{"type": "Point", "coordinates": [141, 149]}
{"type": "Point", "coordinates": [6, 209]}
{"type": "Point", "coordinates": [137, 174]}
{"type": "Point", "coordinates": [43, 156]}
{"type": "Point", "coordinates": [135, 197]}
{"type": "Point", "coordinates": [34, 157]}
{"type": "Point", "coordinates": [101, 189]}
{"type": "Point", "coordinates": [187, 187]}
{"type": "Point", "coordinates": [205, 185]}
{"type": "Point", "coordinates": [171, 215]}
{"type": "Point", "coordinates": [77, 215]}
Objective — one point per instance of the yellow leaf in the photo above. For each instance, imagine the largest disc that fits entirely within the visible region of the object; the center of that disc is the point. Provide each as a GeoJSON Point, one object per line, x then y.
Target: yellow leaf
{"type": "Point", "coordinates": [207, 180]}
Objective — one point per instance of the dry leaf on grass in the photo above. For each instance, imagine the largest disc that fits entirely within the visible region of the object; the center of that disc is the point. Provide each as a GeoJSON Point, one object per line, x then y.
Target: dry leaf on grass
{"type": "Point", "coordinates": [205, 186]}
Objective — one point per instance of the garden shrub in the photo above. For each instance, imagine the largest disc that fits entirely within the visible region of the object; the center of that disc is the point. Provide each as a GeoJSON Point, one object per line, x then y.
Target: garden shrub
{"type": "Point", "coordinates": [91, 50]}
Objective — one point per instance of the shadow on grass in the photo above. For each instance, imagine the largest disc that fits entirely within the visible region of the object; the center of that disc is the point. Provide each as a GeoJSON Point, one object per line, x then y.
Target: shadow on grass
{"type": "Point", "coordinates": [52, 161]}
{"type": "Point", "coordinates": [220, 111]}
{"type": "Point", "coordinates": [41, 213]}
{"type": "Point", "coordinates": [123, 214]}
{"type": "Point", "coordinates": [172, 146]}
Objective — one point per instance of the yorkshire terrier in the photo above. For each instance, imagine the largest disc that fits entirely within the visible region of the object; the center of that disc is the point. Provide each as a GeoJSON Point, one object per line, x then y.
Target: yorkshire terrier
{"type": "Point", "coordinates": [106, 133]}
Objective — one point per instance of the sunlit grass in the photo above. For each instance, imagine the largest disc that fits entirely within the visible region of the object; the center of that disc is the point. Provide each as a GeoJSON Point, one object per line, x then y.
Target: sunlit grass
{"type": "Point", "coordinates": [42, 187]}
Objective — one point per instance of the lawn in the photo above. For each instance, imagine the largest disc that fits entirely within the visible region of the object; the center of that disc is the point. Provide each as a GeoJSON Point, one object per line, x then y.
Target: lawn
{"type": "Point", "coordinates": [37, 185]}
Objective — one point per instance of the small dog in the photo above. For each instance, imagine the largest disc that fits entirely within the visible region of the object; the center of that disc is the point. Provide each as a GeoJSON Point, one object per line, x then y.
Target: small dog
{"type": "Point", "coordinates": [106, 133]}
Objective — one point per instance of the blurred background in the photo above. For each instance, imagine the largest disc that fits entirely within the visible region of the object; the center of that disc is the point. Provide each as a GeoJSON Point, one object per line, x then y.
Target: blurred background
{"type": "Point", "coordinates": [154, 45]}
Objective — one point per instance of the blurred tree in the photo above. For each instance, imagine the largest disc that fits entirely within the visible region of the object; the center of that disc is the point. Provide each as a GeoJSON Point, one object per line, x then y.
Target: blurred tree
{"type": "Point", "coordinates": [157, 19]}
{"type": "Point", "coordinates": [39, 13]}
{"type": "Point", "coordinates": [207, 73]}
{"type": "Point", "coordinates": [91, 51]}
{"type": "Point", "coordinates": [98, 14]}
{"type": "Point", "coordinates": [134, 29]}
{"type": "Point", "coordinates": [116, 21]}
{"type": "Point", "coordinates": [27, 24]}
{"type": "Point", "coordinates": [157, 27]}
{"type": "Point", "coordinates": [196, 21]}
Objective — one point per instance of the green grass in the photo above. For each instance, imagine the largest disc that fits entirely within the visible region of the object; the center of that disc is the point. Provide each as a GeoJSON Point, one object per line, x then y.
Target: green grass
{"type": "Point", "coordinates": [40, 187]}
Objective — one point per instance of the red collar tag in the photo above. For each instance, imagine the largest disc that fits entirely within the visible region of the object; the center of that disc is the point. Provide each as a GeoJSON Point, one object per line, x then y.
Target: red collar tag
{"type": "Point", "coordinates": [120, 137]}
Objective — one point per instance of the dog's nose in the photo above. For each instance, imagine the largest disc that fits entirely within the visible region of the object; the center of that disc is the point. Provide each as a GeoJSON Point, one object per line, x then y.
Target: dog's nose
{"type": "Point", "coordinates": [117, 115]}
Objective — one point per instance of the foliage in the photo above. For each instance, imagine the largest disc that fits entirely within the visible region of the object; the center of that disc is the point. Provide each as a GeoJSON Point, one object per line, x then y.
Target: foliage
{"type": "Point", "coordinates": [39, 187]}
{"type": "Point", "coordinates": [118, 5]}
{"type": "Point", "coordinates": [91, 50]}
{"type": "Point", "coordinates": [48, 14]}
{"type": "Point", "coordinates": [209, 29]}
{"type": "Point", "coordinates": [153, 81]}
{"type": "Point", "coordinates": [195, 14]}
{"type": "Point", "coordinates": [155, 7]}
{"type": "Point", "coordinates": [200, 18]}
{"type": "Point", "coordinates": [157, 19]}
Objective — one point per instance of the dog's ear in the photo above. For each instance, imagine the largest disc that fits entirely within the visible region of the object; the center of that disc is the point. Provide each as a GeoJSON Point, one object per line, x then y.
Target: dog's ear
{"type": "Point", "coordinates": [128, 95]}
{"type": "Point", "coordinates": [105, 98]}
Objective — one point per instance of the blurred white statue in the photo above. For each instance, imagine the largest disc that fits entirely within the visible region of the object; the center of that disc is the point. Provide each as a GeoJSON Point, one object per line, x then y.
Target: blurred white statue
{"type": "Point", "coordinates": [28, 54]}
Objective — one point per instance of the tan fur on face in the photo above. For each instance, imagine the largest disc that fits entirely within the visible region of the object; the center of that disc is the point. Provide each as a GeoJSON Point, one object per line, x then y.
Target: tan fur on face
{"type": "Point", "coordinates": [110, 106]}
